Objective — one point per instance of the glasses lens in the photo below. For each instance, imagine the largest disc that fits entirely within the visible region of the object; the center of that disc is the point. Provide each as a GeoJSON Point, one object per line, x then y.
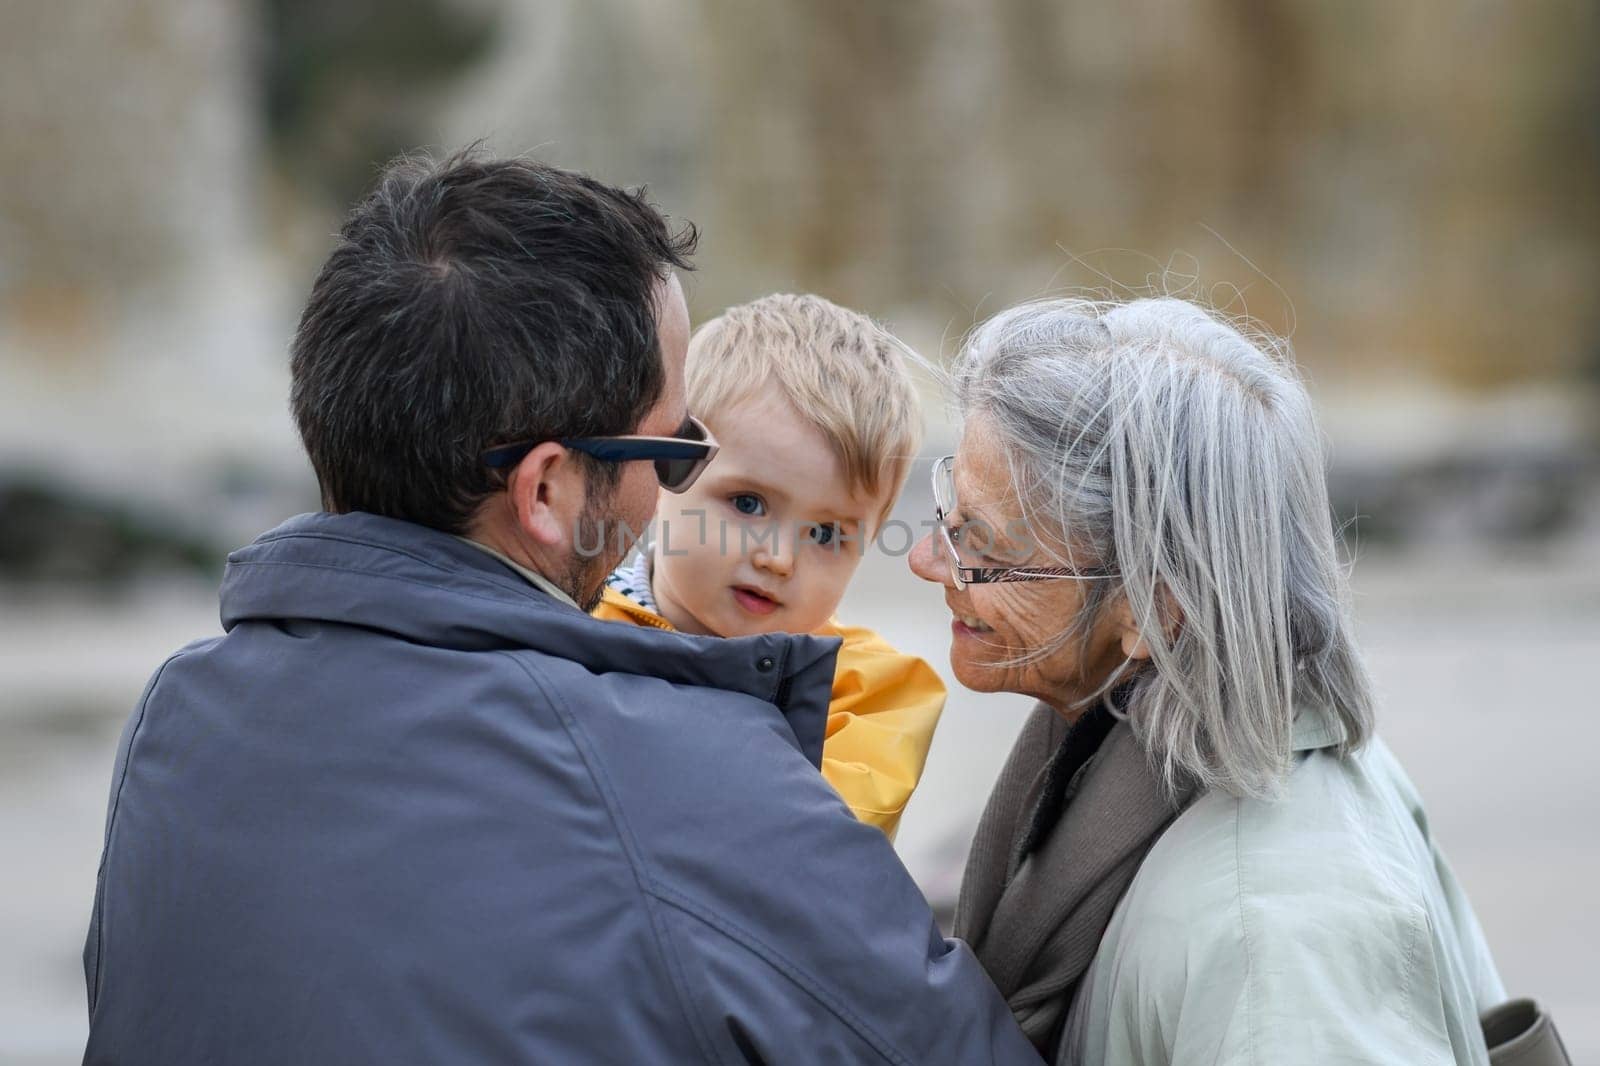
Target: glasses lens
{"type": "Point", "coordinates": [944, 486]}
{"type": "Point", "coordinates": [944, 499]}
{"type": "Point", "coordinates": [948, 549]}
{"type": "Point", "coordinates": [675, 474]}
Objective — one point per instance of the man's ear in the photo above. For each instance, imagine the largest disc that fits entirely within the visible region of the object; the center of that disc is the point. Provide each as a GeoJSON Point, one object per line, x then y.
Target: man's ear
{"type": "Point", "coordinates": [1134, 644]}
{"type": "Point", "coordinates": [547, 489]}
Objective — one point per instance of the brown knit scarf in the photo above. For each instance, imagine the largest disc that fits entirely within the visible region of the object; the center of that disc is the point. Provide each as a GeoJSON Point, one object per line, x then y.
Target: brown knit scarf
{"type": "Point", "coordinates": [1052, 858]}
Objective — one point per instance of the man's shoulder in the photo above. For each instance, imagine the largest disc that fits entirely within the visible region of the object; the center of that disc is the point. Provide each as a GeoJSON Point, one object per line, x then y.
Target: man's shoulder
{"type": "Point", "coordinates": [656, 724]}
{"type": "Point", "coordinates": [662, 743]}
{"type": "Point", "coordinates": [170, 673]}
{"type": "Point", "coordinates": [197, 647]}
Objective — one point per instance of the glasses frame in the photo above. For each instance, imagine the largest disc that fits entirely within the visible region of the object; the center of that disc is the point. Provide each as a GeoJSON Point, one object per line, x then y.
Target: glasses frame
{"type": "Point", "coordinates": [624, 449]}
{"type": "Point", "coordinates": [962, 576]}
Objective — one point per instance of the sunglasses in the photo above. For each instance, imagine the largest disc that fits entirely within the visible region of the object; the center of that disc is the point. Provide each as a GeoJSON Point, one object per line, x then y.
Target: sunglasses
{"type": "Point", "coordinates": [678, 460]}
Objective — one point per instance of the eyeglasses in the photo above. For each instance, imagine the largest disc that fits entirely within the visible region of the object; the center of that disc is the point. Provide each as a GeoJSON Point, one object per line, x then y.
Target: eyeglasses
{"type": "Point", "coordinates": [678, 460]}
{"type": "Point", "coordinates": [965, 564]}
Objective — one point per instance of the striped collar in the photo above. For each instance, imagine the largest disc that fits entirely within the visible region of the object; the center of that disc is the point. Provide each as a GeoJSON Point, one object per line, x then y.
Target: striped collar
{"type": "Point", "coordinates": [632, 579]}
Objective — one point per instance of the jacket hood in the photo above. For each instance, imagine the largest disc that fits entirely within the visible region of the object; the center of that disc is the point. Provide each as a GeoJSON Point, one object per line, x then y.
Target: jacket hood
{"type": "Point", "coordinates": [427, 587]}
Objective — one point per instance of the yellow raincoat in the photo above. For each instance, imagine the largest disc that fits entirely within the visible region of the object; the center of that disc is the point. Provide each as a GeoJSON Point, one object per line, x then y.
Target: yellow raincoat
{"type": "Point", "coordinates": [880, 721]}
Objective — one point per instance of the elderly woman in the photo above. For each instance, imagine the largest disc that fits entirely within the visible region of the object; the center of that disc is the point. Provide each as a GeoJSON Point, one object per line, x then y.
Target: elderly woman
{"type": "Point", "coordinates": [1198, 851]}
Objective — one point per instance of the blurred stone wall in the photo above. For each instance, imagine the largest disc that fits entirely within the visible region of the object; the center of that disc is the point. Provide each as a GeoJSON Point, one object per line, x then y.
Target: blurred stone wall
{"type": "Point", "coordinates": [143, 317]}
{"type": "Point", "coordinates": [1420, 178]}
{"type": "Point", "coordinates": [127, 134]}
{"type": "Point", "coordinates": [1411, 188]}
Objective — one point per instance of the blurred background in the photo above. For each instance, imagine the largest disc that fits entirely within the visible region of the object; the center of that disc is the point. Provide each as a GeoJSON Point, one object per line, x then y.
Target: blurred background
{"type": "Point", "coordinates": [1412, 191]}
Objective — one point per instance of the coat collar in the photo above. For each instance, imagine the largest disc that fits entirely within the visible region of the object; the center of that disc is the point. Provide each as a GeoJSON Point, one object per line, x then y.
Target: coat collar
{"type": "Point", "coordinates": [430, 588]}
{"type": "Point", "coordinates": [1315, 727]}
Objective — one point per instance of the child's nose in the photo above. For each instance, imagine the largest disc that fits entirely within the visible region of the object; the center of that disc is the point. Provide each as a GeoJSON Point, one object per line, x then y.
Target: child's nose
{"type": "Point", "coordinates": [778, 560]}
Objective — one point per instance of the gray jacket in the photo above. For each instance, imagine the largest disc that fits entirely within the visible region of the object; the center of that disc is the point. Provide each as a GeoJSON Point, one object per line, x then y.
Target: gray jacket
{"type": "Point", "coordinates": [1324, 926]}
{"type": "Point", "coordinates": [411, 809]}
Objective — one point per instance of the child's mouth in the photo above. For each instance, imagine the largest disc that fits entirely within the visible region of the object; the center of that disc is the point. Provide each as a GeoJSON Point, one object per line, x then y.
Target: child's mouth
{"type": "Point", "coordinates": [754, 601]}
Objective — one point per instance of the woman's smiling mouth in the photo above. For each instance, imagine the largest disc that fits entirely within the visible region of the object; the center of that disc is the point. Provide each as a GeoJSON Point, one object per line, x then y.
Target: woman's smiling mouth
{"type": "Point", "coordinates": [966, 623]}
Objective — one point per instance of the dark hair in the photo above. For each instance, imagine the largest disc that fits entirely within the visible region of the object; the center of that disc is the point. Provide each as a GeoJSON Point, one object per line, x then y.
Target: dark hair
{"type": "Point", "coordinates": [469, 303]}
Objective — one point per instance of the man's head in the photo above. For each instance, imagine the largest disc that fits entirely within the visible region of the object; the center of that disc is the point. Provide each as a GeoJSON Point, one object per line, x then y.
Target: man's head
{"type": "Point", "coordinates": [818, 422]}
{"type": "Point", "coordinates": [475, 302]}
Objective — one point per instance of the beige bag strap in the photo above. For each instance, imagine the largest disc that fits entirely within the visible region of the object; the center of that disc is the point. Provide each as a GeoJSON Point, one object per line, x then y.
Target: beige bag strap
{"type": "Point", "coordinates": [1518, 1033]}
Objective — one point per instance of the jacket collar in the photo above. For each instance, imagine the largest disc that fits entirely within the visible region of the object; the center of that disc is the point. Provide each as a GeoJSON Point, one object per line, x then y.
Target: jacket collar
{"type": "Point", "coordinates": [428, 587]}
{"type": "Point", "coordinates": [635, 612]}
{"type": "Point", "coordinates": [1314, 727]}
{"type": "Point", "coordinates": [532, 577]}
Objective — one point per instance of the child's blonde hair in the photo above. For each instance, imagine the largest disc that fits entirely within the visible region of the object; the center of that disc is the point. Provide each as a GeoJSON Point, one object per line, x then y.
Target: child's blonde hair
{"type": "Point", "coordinates": [840, 370]}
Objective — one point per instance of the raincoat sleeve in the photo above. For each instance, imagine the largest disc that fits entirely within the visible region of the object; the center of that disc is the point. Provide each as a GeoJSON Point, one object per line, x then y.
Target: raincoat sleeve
{"type": "Point", "coordinates": [1478, 963]}
{"type": "Point", "coordinates": [881, 720]}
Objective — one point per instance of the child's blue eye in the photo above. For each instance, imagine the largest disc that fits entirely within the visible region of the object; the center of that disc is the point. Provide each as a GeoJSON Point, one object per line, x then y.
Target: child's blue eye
{"type": "Point", "coordinates": [748, 503]}
{"type": "Point", "coordinates": [823, 535]}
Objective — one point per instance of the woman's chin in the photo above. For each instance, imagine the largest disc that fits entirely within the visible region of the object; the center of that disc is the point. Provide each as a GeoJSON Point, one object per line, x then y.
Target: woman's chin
{"type": "Point", "coordinates": [975, 676]}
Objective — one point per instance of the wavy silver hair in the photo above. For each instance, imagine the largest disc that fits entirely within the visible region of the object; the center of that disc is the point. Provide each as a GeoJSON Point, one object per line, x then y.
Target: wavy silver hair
{"type": "Point", "coordinates": [1160, 442]}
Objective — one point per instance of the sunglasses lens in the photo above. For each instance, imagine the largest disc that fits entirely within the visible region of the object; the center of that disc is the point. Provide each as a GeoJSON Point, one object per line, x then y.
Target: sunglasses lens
{"type": "Point", "coordinates": [674, 474]}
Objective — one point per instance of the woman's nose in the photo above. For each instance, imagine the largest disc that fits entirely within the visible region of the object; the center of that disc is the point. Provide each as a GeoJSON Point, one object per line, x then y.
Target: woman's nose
{"type": "Point", "coordinates": [926, 563]}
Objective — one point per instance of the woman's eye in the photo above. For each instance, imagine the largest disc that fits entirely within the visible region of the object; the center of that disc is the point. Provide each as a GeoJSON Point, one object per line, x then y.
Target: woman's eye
{"type": "Point", "coordinates": [748, 503]}
{"type": "Point", "coordinates": [824, 535]}
{"type": "Point", "coordinates": [973, 543]}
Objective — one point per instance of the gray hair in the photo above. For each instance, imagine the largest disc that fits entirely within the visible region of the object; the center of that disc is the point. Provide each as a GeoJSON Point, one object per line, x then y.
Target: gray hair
{"type": "Point", "coordinates": [1168, 447]}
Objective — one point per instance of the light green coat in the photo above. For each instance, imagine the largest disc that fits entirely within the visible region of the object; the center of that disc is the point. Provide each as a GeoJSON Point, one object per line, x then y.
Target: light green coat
{"type": "Point", "coordinates": [1322, 928]}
